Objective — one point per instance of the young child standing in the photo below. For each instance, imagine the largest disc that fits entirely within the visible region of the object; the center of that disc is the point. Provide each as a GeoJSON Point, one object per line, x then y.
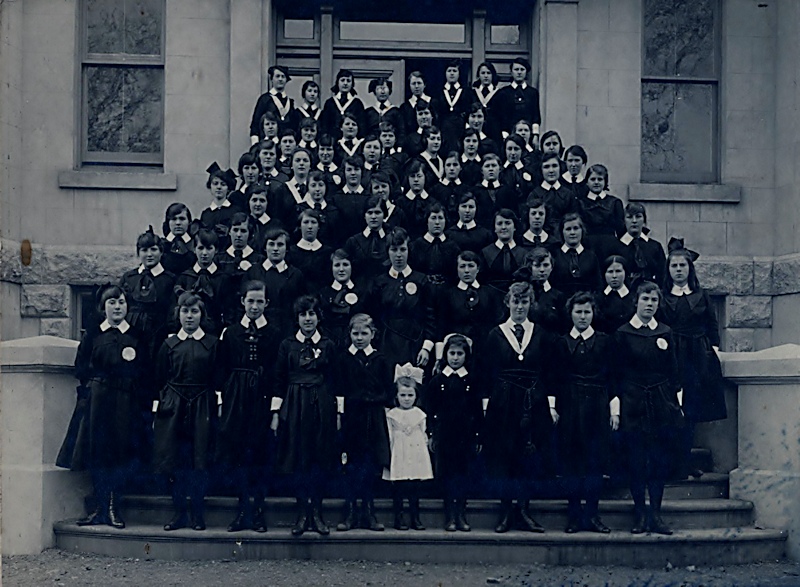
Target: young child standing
{"type": "Point", "coordinates": [408, 441]}
{"type": "Point", "coordinates": [247, 351]}
{"type": "Point", "coordinates": [453, 405]}
{"type": "Point", "coordinates": [365, 386]}
{"type": "Point", "coordinates": [304, 412]}
{"type": "Point", "coordinates": [187, 376]}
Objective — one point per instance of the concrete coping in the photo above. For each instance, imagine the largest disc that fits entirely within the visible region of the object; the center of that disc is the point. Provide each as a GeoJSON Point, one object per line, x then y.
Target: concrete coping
{"type": "Point", "coordinates": [37, 353]}
{"type": "Point", "coordinates": [776, 366]}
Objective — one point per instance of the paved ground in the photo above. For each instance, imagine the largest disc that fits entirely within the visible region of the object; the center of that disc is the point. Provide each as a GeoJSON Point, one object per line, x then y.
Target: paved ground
{"type": "Point", "coordinates": [58, 568]}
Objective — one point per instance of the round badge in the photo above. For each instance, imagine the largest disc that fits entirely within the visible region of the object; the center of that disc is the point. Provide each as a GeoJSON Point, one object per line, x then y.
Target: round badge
{"type": "Point", "coordinates": [351, 298]}
{"type": "Point", "coordinates": [129, 353]}
{"type": "Point", "coordinates": [662, 344]}
{"type": "Point", "coordinates": [521, 358]}
{"type": "Point", "coordinates": [411, 288]}
{"type": "Point", "coordinates": [526, 176]}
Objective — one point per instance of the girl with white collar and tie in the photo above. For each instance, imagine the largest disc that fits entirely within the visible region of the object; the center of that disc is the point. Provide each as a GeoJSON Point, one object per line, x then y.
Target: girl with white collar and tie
{"type": "Point", "coordinates": [275, 101]}
{"type": "Point", "coordinates": [575, 267]}
{"type": "Point", "coordinates": [382, 110]}
{"type": "Point", "coordinates": [178, 255]}
{"type": "Point", "coordinates": [647, 384]}
{"type": "Point", "coordinates": [308, 253]}
{"type": "Point", "coordinates": [217, 215]}
{"type": "Point", "coordinates": [234, 262]}
{"type": "Point", "coordinates": [206, 279]}
{"type": "Point", "coordinates": [449, 189]}
{"type": "Point", "coordinates": [550, 143]}
{"type": "Point", "coordinates": [470, 160]}
{"type": "Point", "coordinates": [518, 424]}
{"type": "Point", "coordinates": [514, 175]}
{"type": "Point", "coordinates": [415, 199]}
{"type": "Point", "coordinates": [408, 109]}
{"type": "Point", "coordinates": [490, 193]}
{"type": "Point", "coordinates": [531, 156]}
{"type": "Point", "coordinates": [576, 159]}
{"type": "Point", "coordinates": [602, 213]}
{"type": "Point", "coordinates": [349, 143]}
{"type": "Point", "coordinates": [310, 107]}
{"type": "Point", "coordinates": [344, 297]}
{"type": "Point", "coordinates": [535, 211]}
{"type": "Point", "coordinates": [104, 435]}
{"type": "Point", "coordinates": [466, 232]}
{"type": "Point", "coordinates": [502, 257]}
{"type": "Point", "coordinates": [519, 100]}
{"type": "Point", "coordinates": [343, 100]}
{"type": "Point", "coordinates": [476, 120]}
{"type": "Point", "coordinates": [615, 305]}
{"type": "Point", "coordinates": [450, 104]}
{"type": "Point", "coordinates": [484, 89]}
{"type": "Point", "coordinates": [433, 253]}
{"type": "Point", "coordinates": [434, 165]}
{"type": "Point", "coordinates": [643, 254]}
{"type": "Point", "coordinates": [286, 197]}
{"type": "Point", "coordinates": [558, 198]}
{"type": "Point", "coordinates": [367, 249]}
{"type": "Point", "coordinates": [249, 168]}
{"type": "Point", "coordinates": [688, 311]}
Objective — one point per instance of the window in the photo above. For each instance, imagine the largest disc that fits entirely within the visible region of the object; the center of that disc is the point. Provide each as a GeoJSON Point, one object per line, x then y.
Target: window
{"type": "Point", "coordinates": [84, 306]}
{"type": "Point", "coordinates": [680, 91]}
{"type": "Point", "coordinates": [122, 82]}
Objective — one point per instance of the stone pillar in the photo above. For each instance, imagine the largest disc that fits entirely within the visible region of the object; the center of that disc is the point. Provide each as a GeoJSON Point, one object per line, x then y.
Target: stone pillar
{"type": "Point", "coordinates": [558, 81]}
{"type": "Point", "coordinates": [248, 69]}
{"type": "Point", "coordinates": [769, 436]}
{"type": "Point", "coordinates": [35, 408]}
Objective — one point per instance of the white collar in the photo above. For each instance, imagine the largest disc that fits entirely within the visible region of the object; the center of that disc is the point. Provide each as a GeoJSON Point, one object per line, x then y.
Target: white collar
{"type": "Point", "coordinates": [430, 238]}
{"type": "Point", "coordinates": [196, 335]}
{"type": "Point", "coordinates": [336, 286]}
{"type": "Point", "coordinates": [225, 204]}
{"type": "Point", "coordinates": [637, 323]}
{"type": "Point", "coordinates": [507, 328]}
{"type": "Point", "coordinates": [413, 99]}
{"type": "Point", "coordinates": [530, 236]}
{"type": "Point", "coordinates": [549, 186]}
{"type": "Point", "coordinates": [155, 271]}
{"type": "Point", "coordinates": [311, 203]}
{"type": "Point", "coordinates": [568, 177]}
{"type": "Point", "coordinates": [382, 107]}
{"type": "Point", "coordinates": [494, 184]}
{"type": "Point", "coordinates": [122, 326]}
{"type": "Point", "coordinates": [448, 371]}
{"type": "Point", "coordinates": [680, 291]}
{"type": "Point", "coordinates": [394, 274]}
{"type": "Point", "coordinates": [304, 245]}
{"type": "Point", "coordinates": [367, 231]}
{"type": "Point", "coordinates": [212, 269]}
{"type": "Point", "coordinates": [455, 86]}
{"type": "Point", "coordinates": [578, 249]}
{"type": "Point", "coordinates": [368, 166]}
{"type": "Point", "coordinates": [546, 287]}
{"type": "Point", "coordinates": [331, 167]}
{"type": "Point", "coordinates": [423, 195]}
{"type": "Point", "coordinates": [516, 85]}
{"type": "Point", "coordinates": [585, 335]}
{"type": "Point", "coordinates": [314, 337]}
{"type": "Point", "coordinates": [499, 244]}
{"type": "Point", "coordinates": [281, 267]}
{"type": "Point", "coordinates": [448, 181]}
{"type": "Point", "coordinates": [465, 159]}
{"type": "Point", "coordinates": [184, 237]}
{"type": "Point", "coordinates": [367, 351]}
{"type": "Point", "coordinates": [517, 165]}
{"type": "Point", "coordinates": [246, 251]}
{"type": "Point", "coordinates": [468, 225]}
{"type": "Point", "coordinates": [622, 291]}
{"type": "Point", "coordinates": [465, 286]}
{"type": "Point", "coordinates": [264, 218]}
{"type": "Point", "coordinates": [275, 92]}
{"type": "Point", "coordinates": [628, 239]}
{"type": "Point", "coordinates": [261, 321]}
{"type": "Point", "coordinates": [348, 190]}
{"type": "Point", "coordinates": [593, 196]}
{"type": "Point", "coordinates": [302, 143]}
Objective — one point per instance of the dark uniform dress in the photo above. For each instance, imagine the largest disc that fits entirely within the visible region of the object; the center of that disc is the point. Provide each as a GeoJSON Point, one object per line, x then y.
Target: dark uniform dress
{"type": "Point", "coordinates": [448, 193]}
{"type": "Point", "coordinates": [582, 367]}
{"type": "Point", "coordinates": [313, 260]}
{"type": "Point", "coordinates": [365, 383]}
{"type": "Point", "coordinates": [644, 258]}
{"type": "Point", "coordinates": [330, 231]}
{"type": "Point", "coordinates": [471, 236]}
{"type": "Point", "coordinates": [500, 261]}
{"type": "Point", "coordinates": [178, 254]}
{"type": "Point", "coordinates": [261, 226]}
{"type": "Point", "coordinates": [436, 257]}
{"type": "Point", "coordinates": [149, 293]}
{"type": "Point", "coordinates": [330, 121]}
{"type": "Point", "coordinates": [415, 208]}
{"type": "Point", "coordinates": [401, 306]}
{"type": "Point", "coordinates": [209, 283]}
{"type": "Point", "coordinates": [547, 307]}
{"type": "Point", "coordinates": [517, 178]}
{"type": "Point", "coordinates": [614, 308]}
{"type": "Point", "coordinates": [279, 104]}
{"type": "Point", "coordinates": [604, 219]}
{"type": "Point", "coordinates": [455, 416]}
{"type": "Point", "coordinates": [451, 105]}
{"type": "Point", "coordinates": [304, 371]}
{"type": "Point", "coordinates": [368, 253]}
{"type": "Point", "coordinates": [471, 173]}
{"type": "Point", "coordinates": [234, 265]}
{"type": "Point", "coordinates": [187, 373]}
{"type": "Point", "coordinates": [558, 199]}
{"type": "Point", "coordinates": [516, 102]}
{"type": "Point", "coordinates": [217, 218]}
{"type": "Point", "coordinates": [471, 310]}
{"type": "Point", "coordinates": [518, 426]}
{"type": "Point", "coordinates": [575, 269]}
{"type": "Point", "coordinates": [340, 302]}
{"type": "Point", "coordinates": [374, 115]}
{"type": "Point", "coordinates": [285, 284]}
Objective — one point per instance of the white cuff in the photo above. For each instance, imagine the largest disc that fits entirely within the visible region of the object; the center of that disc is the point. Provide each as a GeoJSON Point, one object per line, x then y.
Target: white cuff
{"type": "Point", "coordinates": [614, 406]}
{"type": "Point", "coordinates": [253, 139]}
{"type": "Point", "coordinates": [439, 350]}
{"type": "Point", "coordinates": [485, 403]}
{"type": "Point", "coordinates": [155, 406]}
{"type": "Point", "coordinates": [219, 397]}
{"type": "Point", "coordinates": [339, 404]}
{"type": "Point", "coordinates": [505, 134]}
{"type": "Point", "coordinates": [535, 129]}
{"type": "Point", "coordinates": [427, 345]}
{"type": "Point", "coordinates": [680, 398]}
{"type": "Point", "coordinates": [276, 404]}
{"type": "Point", "coordinates": [551, 399]}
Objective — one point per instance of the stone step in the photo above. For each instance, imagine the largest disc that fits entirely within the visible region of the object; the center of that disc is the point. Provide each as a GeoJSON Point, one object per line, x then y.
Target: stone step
{"type": "Point", "coordinates": [481, 514]}
{"type": "Point", "coordinates": [722, 546]}
{"type": "Point", "coordinates": [709, 486]}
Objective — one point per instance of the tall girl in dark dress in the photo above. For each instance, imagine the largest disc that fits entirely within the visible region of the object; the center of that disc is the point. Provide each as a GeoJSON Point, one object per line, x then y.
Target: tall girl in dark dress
{"type": "Point", "coordinates": [217, 215]}
{"type": "Point", "coordinates": [518, 424]}
{"type": "Point", "coordinates": [342, 299]}
{"type": "Point", "coordinates": [109, 366]}
{"type": "Point", "coordinates": [206, 279]}
{"type": "Point", "coordinates": [455, 417]}
{"type": "Point", "coordinates": [366, 388]}
{"type": "Point", "coordinates": [367, 249]}
{"type": "Point", "coordinates": [558, 198]}
{"type": "Point", "coordinates": [305, 413]}
{"type": "Point", "coordinates": [309, 254]}
{"type": "Point", "coordinates": [602, 213]}
{"type": "Point", "coordinates": [575, 267]}
{"type": "Point", "coordinates": [647, 383]}
{"type": "Point", "coordinates": [247, 351]}
{"type": "Point", "coordinates": [503, 257]}
{"type": "Point", "coordinates": [485, 88]}
{"type": "Point", "coordinates": [644, 255]}
{"type": "Point", "coordinates": [343, 100]}
{"type": "Point", "coordinates": [575, 176]}
{"type": "Point", "coordinates": [688, 311]}
{"type": "Point", "coordinates": [178, 255]}
{"type": "Point", "coordinates": [383, 109]}
{"type": "Point", "coordinates": [587, 412]}
{"type": "Point", "coordinates": [615, 304]}
{"type": "Point", "coordinates": [187, 374]}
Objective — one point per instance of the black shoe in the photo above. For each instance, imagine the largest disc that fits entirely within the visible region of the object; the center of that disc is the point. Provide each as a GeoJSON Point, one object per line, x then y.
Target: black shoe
{"type": "Point", "coordinates": [596, 525]}
{"type": "Point", "coordinates": [461, 520]}
{"type": "Point", "coordinates": [178, 521]}
{"type": "Point", "coordinates": [114, 518]}
{"type": "Point", "coordinates": [350, 520]}
{"type": "Point", "coordinates": [370, 520]}
{"type": "Point", "coordinates": [415, 523]}
{"type": "Point", "coordinates": [528, 523]}
{"type": "Point", "coordinates": [198, 521]}
{"type": "Point", "coordinates": [317, 523]}
{"type": "Point", "coordinates": [302, 523]}
{"type": "Point", "coordinates": [400, 521]}
{"type": "Point", "coordinates": [573, 526]}
{"type": "Point", "coordinates": [640, 525]}
{"type": "Point", "coordinates": [239, 523]}
{"type": "Point", "coordinates": [658, 526]}
{"type": "Point", "coordinates": [696, 473]}
{"type": "Point", "coordinates": [96, 518]}
{"type": "Point", "coordinates": [504, 524]}
{"type": "Point", "coordinates": [259, 521]}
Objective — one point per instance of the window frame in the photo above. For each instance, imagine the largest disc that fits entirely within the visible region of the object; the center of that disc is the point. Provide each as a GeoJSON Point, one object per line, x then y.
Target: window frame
{"type": "Point", "coordinates": [92, 159]}
{"type": "Point", "coordinates": [677, 177]}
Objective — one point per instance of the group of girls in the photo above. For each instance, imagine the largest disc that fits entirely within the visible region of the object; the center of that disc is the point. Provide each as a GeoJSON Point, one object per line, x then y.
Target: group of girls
{"type": "Point", "coordinates": [323, 313]}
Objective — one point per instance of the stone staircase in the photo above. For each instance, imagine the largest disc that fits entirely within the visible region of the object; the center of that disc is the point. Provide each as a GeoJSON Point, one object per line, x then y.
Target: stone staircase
{"type": "Point", "coordinates": [709, 528]}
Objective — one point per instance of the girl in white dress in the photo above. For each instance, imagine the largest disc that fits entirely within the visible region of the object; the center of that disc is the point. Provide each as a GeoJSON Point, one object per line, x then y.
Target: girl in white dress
{"type": "Point", "coordinates": [410, 461]}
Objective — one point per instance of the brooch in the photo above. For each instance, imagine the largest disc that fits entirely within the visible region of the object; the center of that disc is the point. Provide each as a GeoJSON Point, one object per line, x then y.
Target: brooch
{"type": "Point", "coordinates": [662, 344]}
{"type": "Point", "coordinates": [129, 353]}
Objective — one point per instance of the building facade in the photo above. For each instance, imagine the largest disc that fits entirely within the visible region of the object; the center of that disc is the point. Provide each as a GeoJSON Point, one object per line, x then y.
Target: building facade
{"type": "Point", "coordinates": [110, 111]}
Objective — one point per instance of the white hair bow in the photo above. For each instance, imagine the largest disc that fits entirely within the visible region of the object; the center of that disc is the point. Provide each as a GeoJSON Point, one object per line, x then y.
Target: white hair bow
{"type": "Point", "coordinates": [408, 370]}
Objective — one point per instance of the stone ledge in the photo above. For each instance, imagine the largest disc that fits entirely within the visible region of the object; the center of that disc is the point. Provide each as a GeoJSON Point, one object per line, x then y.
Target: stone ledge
{"type": "Point", "coordinates": [726, 275]}
{"type": "Point", "coordinates": [84, 179]}
{"type": "Point", "coordinates": [36, 352]}
{"type": "Point", "coordinates": [786, 274]}
{"type": "Point", "coordinates": [685, 192]}
{"type": "Point", "coordinates": [776, 366]}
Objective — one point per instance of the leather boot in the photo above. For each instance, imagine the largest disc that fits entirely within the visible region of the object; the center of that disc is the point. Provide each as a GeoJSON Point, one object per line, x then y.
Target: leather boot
{"type": "Point", "coordinates": [350, 519]}
{"type": "Point", "coordinates": [413, 510]}
{"type": "Point", "coordinates": [114, 518]}
{"type": "Point", "coordinates": [259, 516]}
{"type": "Point", "coordinates": [449, 515]}
{"type": "Point", "coordinates": [94, 518]}
{"type": "Point", "coordinates": [198, 514]}
{"type": "Point", "coordinates": [504, 524]}
{"type": "Point", "coordinates": [239, 523]}
{"type": "Point", "coordinates": [528, 523]}
{"type": "Point", "coordinates": [640, 519]}
{"type": "Point", "coordinates": [180, 519]}
{"type": "Point", "coordinates": [317, 523]}
{"type": "Point", "coordinates": [302, 523]}
{"type": "Point", "coordinates": [369, 518]}
{"type": "Point", "coordinates": [399, 518]}
{"type": "Point", "coordinates": [461, 516]}
{"type": "Point", "coordinates": [657, 524]}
